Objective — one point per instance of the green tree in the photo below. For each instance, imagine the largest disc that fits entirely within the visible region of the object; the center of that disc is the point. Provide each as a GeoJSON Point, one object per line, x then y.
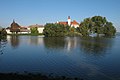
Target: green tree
{"type": "Point", "coordinates": [34, 30]}
{"type": "Point", "coordinates": [96, 24]}
{"type": "Point", "coordinates": [55, 30]}
{"type": "Point", "coordinates": [3, 32]}
{"type": "Point", "coordinates": [109, 29]}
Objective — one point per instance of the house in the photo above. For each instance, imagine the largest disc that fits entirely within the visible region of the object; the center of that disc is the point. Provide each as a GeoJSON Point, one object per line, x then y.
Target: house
{"type": "Point", "coordinates": [24, 30]}
{"type": "Point", "coordinates": [17, 29]}
{"type": "Point", "coordinates": [73, 23]}
{"type": "Point", "coordinates": [8, 30]}
{"type": "Point", "coordinates": [39, 27]}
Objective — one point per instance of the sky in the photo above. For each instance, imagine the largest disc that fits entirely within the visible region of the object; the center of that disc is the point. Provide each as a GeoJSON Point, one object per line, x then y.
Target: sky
{"type": "Point", "coordinates": [29, 12]}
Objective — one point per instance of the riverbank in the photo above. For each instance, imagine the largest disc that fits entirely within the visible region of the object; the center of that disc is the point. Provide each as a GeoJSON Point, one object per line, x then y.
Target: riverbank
{"type": "Point", "coordinates": [27, 34]}
{"type": "Point", "coordinates": [30, 76]}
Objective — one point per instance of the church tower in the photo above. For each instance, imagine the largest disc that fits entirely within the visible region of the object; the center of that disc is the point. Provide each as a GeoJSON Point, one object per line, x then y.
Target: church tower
{"type": "Point", "coordinates": [69, 21]}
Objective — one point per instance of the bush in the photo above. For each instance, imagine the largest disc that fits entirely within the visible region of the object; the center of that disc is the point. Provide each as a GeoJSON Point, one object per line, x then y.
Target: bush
{"type": "Point", "coordinates": [55, 30]}
{"type": "Point", "coordinates": [34, 30]}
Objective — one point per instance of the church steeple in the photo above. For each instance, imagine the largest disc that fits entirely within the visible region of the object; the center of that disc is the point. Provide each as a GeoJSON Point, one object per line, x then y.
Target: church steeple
{"type": "Point", "coordinates": [69, 21]}
{"type": "Point", "coordinates": [68, 17]}
{"type": "Point", "coordinates": [13, 21]}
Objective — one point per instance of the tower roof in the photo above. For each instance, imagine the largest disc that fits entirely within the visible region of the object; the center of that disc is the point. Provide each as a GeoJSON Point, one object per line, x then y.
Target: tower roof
{"type": "Point", "coordinates": [14, 27]}
{"type": "Point", "coordinates": [68, 17]}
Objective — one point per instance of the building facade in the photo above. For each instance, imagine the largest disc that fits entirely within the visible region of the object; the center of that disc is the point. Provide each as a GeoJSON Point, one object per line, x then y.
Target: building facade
{"type": "Point", "coordinates": [69, 22]}
{"type": "Point", "coordinates": [16, 29]}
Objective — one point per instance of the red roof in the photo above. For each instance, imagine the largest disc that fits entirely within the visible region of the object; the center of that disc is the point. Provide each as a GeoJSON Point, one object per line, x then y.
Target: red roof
{"type": "Point", "coordinates": [74, 23]}
{"type": "Point", "coordinates": [64, 23]}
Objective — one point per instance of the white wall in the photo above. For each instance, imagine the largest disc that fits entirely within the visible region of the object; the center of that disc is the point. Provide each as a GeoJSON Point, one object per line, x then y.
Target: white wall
{"type": "Point", "coordinates": [40, 30]}
{"type": "Point", "coordinates": [8, 31]}
{"type": "Point", "coordinates": [69, 22]}
{"type": "Point", "coordinates": [23, 32]}
{"type": "Point", "coordinates": [75, 26]}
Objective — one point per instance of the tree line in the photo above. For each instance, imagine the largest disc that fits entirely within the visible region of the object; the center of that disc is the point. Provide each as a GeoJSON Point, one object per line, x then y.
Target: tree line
{"type": "Point", "coordinates": [95, 25]}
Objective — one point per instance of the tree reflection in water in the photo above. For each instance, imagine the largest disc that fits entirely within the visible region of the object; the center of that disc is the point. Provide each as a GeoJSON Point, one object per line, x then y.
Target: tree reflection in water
{"type": "Point", "coordinates": [54, 42]}
{"type": "Point", "coordinates": [95, 45]}
{"type": "Point", "coordinates": [3, 42]}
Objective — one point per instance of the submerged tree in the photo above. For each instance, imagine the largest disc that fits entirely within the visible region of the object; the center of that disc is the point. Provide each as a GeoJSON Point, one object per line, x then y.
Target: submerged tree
{"type": "Point", "coordinates": [98, 25]}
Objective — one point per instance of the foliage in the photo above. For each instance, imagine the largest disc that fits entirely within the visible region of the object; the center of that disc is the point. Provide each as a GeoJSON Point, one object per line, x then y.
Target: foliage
{"type": "Point", "coordinates": [3, 32]}
{"type": "Point", "coordinates": [34, 30]}
{"type": "Point", "coordinates": [55, 30]}
{"type": "Point", "coordinates": [109, 29]}
{"type": "Point", "coordinates": [96, 24]}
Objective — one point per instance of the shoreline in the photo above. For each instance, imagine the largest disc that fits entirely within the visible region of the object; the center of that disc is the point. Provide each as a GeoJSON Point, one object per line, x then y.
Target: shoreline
{"type": "Point", "coordinates": [30, 76]}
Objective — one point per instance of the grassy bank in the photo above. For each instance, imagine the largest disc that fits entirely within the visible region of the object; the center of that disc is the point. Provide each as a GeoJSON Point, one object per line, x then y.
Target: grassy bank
{"type": "Point", "coordinates": [29, 76]}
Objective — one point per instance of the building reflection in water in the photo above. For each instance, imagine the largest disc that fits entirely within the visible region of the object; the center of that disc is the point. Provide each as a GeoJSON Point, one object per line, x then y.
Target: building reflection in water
{"type": "Point", "coordinates": [35, 40]}
{"type": "Point", "coordinates": [14, 40]}
{"type": "Point", "coordinates": [70, 43]}
{"type": "Point", "coordinates": [95, 46]}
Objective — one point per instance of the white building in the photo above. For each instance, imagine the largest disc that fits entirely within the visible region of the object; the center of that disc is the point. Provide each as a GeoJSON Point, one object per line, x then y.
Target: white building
{"type": "Point", "coordinates": [39, 27]}
{"type": "Point", "coordinates": [73, 23]}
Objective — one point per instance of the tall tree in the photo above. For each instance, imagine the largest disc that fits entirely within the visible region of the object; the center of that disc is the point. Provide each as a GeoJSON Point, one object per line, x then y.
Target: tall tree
{"type": "Point", "coordinates": [96, 24]}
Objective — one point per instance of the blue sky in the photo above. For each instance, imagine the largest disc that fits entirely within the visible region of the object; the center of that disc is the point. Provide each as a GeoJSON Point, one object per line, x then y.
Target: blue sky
{"type": "Point", "coordinates": [27, 12]}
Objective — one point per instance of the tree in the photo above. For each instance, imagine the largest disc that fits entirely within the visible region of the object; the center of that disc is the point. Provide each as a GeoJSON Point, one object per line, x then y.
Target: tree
{"type": "Point", "coordinates": [34, 30]}
{"type": "Point", "coordinates": [55, 30]}
{"type": "Point", "coordinates": [109, 29]}
{"type": "Point", "coordinates": [98, 25]}
{"type": "Point", "coordinates": [3, 32]}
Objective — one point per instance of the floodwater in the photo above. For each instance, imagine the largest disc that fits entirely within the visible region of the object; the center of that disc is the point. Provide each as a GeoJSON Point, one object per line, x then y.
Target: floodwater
{"type": "Point", "coordinates": [87, 58]}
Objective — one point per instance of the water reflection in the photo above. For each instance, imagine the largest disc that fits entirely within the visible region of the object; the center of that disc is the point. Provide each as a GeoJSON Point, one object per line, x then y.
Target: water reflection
{"type": "Point", "coordinates": [14, 40]}
{"type": "Point", "coordinates": [33, 57]}
{"type": "Point", "coordinates": [3, 42]}
{"type": "Point", "coordinates": [35, 40]}
{"type": "Point", "coordinates": [93, 46]}
{"type": "Point", "coordinates": [96, 46]}
{"type": "Point", "coordinates": [71, 43]}
{"type": "Point", "coordinates": [54, 42]}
